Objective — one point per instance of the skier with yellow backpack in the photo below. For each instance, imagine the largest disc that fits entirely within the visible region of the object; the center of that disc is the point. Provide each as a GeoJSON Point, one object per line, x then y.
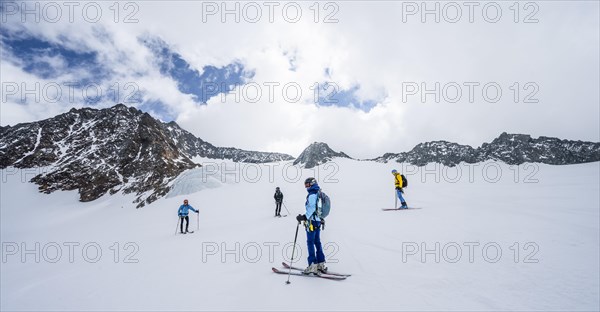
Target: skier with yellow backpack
{"type": "Point", "coordinates": [400, 182]}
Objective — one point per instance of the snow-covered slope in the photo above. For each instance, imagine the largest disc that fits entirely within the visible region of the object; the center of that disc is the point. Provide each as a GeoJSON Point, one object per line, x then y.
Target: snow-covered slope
{"type": "Point", "coordinates": [544, 219]}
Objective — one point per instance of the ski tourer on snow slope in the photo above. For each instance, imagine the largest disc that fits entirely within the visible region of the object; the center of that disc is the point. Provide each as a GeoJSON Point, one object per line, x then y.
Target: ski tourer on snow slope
{"type": "Point", "coordinates": [278, 201]}
{"type": "Point", "coordinates": [183, 212]}
{"type": "Point", "coordinates": [399, 184]}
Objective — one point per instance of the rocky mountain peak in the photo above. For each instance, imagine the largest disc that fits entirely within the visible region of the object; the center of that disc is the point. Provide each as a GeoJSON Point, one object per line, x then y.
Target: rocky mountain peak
{"type": "Point", "coordinates": [513, 149]}
{"type": "Point", "coordinates": [100, 151]}
{"type": "Point", "coordinates": [317, 154]}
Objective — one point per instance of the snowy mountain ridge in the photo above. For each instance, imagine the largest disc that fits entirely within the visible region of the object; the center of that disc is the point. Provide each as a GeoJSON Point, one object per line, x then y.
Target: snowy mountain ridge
{"type": "Point", "coordinates": [122, 149]}
{"type": "Point", "coordinates": [110, 150]}
{"type": "Point", "coordinates": [512, 149]}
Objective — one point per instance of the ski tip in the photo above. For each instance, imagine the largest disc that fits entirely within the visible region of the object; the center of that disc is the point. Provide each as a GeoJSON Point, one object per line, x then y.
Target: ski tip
{"type": "Point", "coordinates": [332, 277]}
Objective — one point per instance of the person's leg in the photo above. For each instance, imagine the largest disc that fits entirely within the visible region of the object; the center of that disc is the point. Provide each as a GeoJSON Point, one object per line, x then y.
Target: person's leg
{"type": "Point", "coordinates": [187, 223]}
{"type": "Point", "coordinates": [279, 208]}
{"type": "Point", "coordinates": [181, 224]}
{"type": "Point", "coordinates": [310, 242]}
{"type": "Point", "coordinates": [320, 255]}
{"type": "Point", "coordinates": [402, 201]}
{"type": "Point", "coordinates": [399, 195]}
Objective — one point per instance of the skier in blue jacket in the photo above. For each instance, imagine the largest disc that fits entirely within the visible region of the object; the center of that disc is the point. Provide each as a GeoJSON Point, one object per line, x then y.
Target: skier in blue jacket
{"type": "Point", "coordinates": [183, 215]}
{"type": "Point", "coordinates": [316, 257]}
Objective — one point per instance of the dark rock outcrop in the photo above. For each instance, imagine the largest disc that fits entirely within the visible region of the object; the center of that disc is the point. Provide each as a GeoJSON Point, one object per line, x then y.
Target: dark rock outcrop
{"type": "Point", "coordinates": [513, 149]}
{"type": "Point", "coordinates": [317, 154]}
{"type": "Point", "coordinates": [110, 150]}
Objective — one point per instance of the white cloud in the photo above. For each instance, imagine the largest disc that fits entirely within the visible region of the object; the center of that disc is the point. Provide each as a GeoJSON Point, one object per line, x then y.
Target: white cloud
{"type": "Point", "coordinates": [370, 47]}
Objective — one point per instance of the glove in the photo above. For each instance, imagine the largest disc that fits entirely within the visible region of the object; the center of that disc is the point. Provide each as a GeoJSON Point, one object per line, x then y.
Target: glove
{"type": "Point", "coordinates": [301, 217]}
{"type": "Point", "coordinates": [398, 188]}
{"type": "Point", "coordinates": [197, 211]}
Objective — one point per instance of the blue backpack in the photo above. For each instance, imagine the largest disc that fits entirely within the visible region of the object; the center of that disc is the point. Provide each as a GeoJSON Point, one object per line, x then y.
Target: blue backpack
{"type": "Point", "coordinates": [323, 210]}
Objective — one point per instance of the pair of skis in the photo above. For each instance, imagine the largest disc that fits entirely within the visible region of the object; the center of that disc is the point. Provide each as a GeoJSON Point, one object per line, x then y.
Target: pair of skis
{"type": "Point", "coordinates": [392, 209]}
{"type": "Point", "coordinates": [181, 220]}
{"type": "Point", "coordinates": [298, 271]}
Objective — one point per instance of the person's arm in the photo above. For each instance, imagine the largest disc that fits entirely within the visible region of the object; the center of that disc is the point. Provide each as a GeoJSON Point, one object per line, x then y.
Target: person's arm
{"type": "Point", "coordinates": [311, 205]}
{"type": "Point", "coordinates": [179, 210]}
{"type": "Point", "coordinates": [196, 211]}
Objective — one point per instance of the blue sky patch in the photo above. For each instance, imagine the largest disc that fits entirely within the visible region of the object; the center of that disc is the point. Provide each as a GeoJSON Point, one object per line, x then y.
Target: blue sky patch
{"type": "Point", "coordinates": [331, 95]}
{"type": "Point", "coordinates": [49, 60]}
{"type": "Point", "coordinates": [159, 110]}
{"type": "Point", "coordinates": [202, 86]}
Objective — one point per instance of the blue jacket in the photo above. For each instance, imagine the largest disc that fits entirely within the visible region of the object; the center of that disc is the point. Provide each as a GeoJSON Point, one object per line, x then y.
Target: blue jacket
{"type": "Point", "coordinates": [184, 210]}
{"type": "Point", "coordinates": [311, 202]}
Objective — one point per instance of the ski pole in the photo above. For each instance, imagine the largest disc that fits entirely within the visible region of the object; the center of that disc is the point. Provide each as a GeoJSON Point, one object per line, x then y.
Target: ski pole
{"type": "Point", "coordinates": [293, 250]}
{"type": "Point", "coordinates": [284, 206]}
{"type": "Point", "coordinates": [395, 199]}
{"type": "Point", "coordinates": [198, 220]}
{"type": "Point", "coordinates": [178, 219]}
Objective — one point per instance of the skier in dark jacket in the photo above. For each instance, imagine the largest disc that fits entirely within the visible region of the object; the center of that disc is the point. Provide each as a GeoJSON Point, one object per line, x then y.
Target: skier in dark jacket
{"type": "Point", "coordinates": [183, 215]}
{"type": "Point", "coordinates": [278, 201]}
{"type": "Point", "coordinates": [316, 257]}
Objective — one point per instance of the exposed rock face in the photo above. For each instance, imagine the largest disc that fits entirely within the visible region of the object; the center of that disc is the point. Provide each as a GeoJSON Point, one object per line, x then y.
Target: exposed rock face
{"type": "Point", "coordinates": [317, 154]}
{"type": "Point", "coordinates": [110, 150]}
{"type": "Point", "coordinates": [513, 149]}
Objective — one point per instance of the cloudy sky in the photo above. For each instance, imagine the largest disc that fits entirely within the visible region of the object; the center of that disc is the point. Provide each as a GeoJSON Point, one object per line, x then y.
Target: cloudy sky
{"type": "Point", "coordinates": [366, 77]}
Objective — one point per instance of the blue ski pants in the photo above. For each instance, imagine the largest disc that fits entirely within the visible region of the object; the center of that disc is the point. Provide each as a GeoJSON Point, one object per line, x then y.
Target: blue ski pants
{"type": "Point", "coordinates": [313, 240]}
{"type": "Point", "coordinates": [400, 196]}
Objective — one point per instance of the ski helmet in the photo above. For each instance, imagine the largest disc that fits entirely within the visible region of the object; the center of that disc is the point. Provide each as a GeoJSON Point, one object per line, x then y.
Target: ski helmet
{"type": "Point", "coordinates": [310, 181]}
{"type": "Point", "coordinates": [394, 171]}
{"type": "Point", "coordinates": [277, 188]}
